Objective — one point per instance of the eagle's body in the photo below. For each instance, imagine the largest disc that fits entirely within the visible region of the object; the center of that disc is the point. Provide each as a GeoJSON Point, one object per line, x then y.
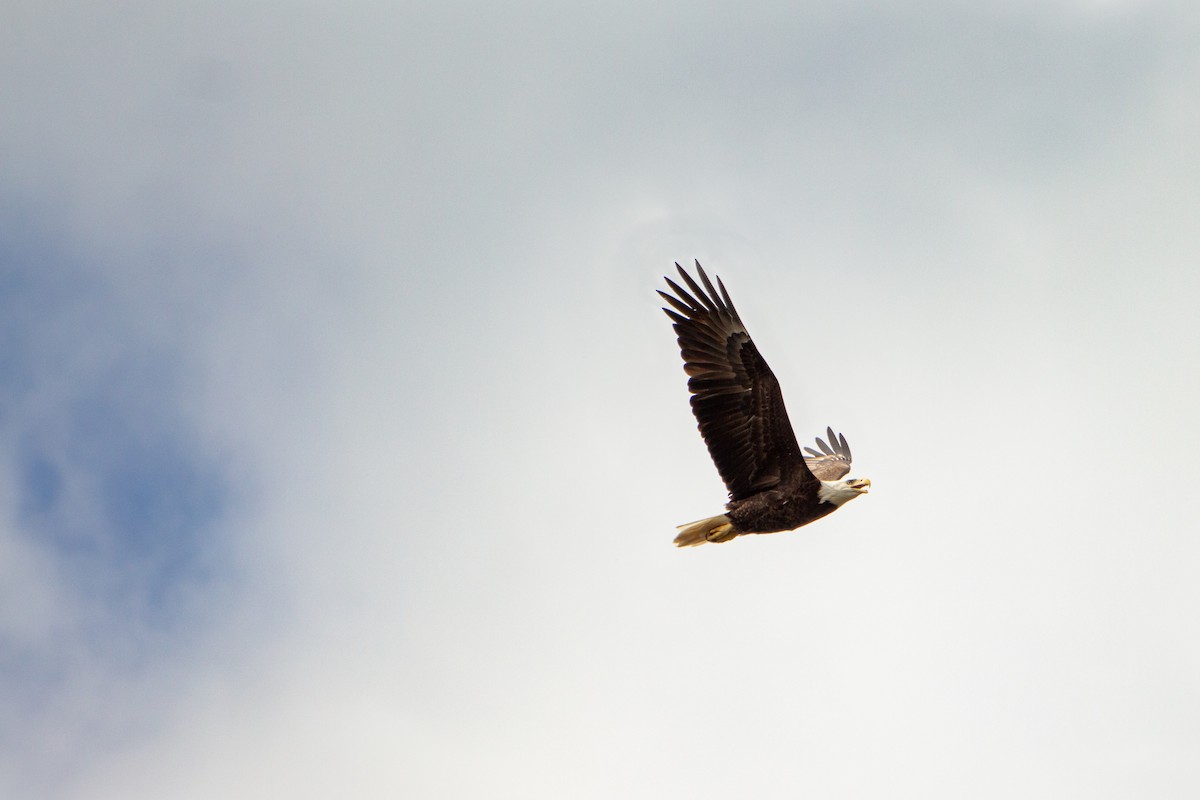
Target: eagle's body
{"type": "Point", "coordinates": [784, 508]}
{"type": "Point", "coordinates": [739, 407]}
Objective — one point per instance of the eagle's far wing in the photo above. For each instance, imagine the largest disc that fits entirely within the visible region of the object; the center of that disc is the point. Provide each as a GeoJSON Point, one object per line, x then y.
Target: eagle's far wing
{"type": "Point", "coordinates": [833, 461]}
{"type": "Point", "coordinates": [735, 396]}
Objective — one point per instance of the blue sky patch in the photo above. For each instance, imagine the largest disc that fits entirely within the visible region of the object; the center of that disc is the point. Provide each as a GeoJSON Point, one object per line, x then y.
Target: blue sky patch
{"type": "Point", "coordinates": [111, 479]}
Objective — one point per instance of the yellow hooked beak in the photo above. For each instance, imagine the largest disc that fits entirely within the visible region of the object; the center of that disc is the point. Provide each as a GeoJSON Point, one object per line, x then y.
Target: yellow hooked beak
{"type": "Point", "coordinates": [859, 485]}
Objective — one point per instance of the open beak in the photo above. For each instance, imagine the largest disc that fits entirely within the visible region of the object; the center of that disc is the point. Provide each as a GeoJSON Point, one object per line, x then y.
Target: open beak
{"type": "Point", "coordinates": [860, 485]}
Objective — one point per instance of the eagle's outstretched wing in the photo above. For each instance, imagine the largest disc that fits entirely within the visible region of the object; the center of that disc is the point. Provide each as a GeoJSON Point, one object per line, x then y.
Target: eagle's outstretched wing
{"type": "Point", "coordinates": [833, 460]}
{"type": "Point", "coordinates": [735, 396]}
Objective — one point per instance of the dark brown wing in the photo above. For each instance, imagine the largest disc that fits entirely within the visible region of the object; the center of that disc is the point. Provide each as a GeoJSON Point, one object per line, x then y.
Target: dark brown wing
{"type": "Point", "coordinates": [735, 396]}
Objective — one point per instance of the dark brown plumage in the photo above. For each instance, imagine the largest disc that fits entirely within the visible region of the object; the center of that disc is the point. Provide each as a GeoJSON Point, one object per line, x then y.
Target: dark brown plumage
{"type": "Point", "coordinates": [739, 407]}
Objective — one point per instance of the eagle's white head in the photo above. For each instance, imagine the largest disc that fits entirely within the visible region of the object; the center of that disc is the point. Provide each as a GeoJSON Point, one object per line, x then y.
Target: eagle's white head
{"type": "Point", "coordinates": [841, 492]}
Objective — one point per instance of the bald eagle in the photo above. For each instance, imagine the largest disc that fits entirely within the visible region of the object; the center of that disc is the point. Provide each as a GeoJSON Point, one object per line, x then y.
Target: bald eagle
{"type": "Point", "coordinates": [737, 402]}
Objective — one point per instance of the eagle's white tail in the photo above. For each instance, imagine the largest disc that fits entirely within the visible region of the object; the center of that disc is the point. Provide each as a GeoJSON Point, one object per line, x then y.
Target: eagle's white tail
{"type": "Point", "coordinates": [713, 529]}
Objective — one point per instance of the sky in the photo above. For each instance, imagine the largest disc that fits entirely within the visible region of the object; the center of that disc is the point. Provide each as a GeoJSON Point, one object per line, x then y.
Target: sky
{"type": "Point", "coordinates": [343, 439]}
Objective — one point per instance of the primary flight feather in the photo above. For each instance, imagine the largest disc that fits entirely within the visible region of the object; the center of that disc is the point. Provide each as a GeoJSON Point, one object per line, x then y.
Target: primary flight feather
{"type": "Point", "coordinates": [772, 485]}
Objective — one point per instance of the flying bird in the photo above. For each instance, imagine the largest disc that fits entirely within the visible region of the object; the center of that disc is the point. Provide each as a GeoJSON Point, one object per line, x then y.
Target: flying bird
{"type": "Point", "coordinates": [772, 485]}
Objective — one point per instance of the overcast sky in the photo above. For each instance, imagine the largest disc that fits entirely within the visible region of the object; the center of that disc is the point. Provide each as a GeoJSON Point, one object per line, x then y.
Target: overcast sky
{"type": "Point", "coordinates": [343, 438]}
